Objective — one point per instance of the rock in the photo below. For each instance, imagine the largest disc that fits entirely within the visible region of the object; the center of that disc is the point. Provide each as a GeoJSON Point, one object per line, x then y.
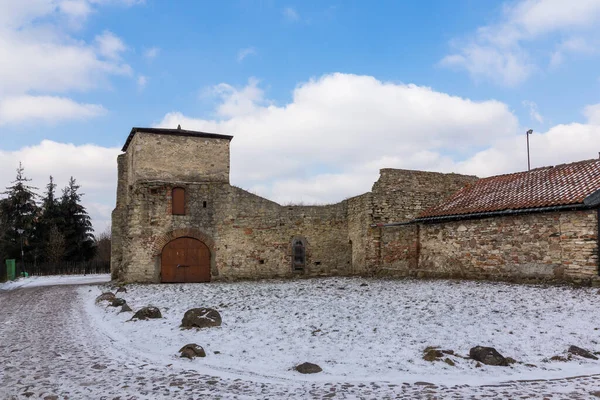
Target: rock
{"type": "Point", "coordinates": [449, 362]}
{"type": "Point", "coordinates": [578, 351]}
{"type": "Point", "coordinates": [122, 289]}
{"type": "Point", "coordinates": [126, 308]}
{"type": "Point", "coordinates": [595, 394]}
{"type": "Point", "coordinates": [432, 354]}
{"type": "Point", "coordinates": [51, 397]}
{"type": "Point", "coordinates": [98, 366]}
{"type": "Point", "coordinates": [488, 356]}
{"type": "Point", "coordinates": [364, 284]}
{"type": "Point", "coordinates": [147, 312]}
{"type": "Point", "coordinates": [192, 351]}
{"type": "Point", "coordinates": [558, 358]}
{"type": "Point", "coordinates": [201, 318]}
{"type": "Point", "coordinates": [510, 360]}
{"type": "Point", "coordinates": [308, 368]}
{"type": "Point", "coordinates": [107, 296]}
{"type": "Point", "coordinates": [478, 365]}
{"type": "Point", "coordinates": [117, 302]}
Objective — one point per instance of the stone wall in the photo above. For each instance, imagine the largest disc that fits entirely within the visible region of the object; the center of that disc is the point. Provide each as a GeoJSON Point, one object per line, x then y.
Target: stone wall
{"type": "Point", "coordinates": [400, 195]}
{"type": "Point", "coordinates": [255, 237]}
{"type": "Point", "coordinates": [546, 246]}
{"type": "Point", "coordinates": [178, 158]}
{"type": "Point", "coordinates": [360, 217]}
{"type": "Point", "coordinates": [249, 236]}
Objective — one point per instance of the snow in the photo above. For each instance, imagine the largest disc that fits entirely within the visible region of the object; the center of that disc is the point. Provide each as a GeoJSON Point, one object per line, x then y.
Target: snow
{"type": "Point", "coordinates": [357, 332]}
{"type": "Point", "coordinates": [53, 280]}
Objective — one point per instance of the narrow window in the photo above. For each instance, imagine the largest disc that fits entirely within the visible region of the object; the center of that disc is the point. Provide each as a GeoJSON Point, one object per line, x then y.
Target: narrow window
{"type": "Point", "coordinates": [204, 204]}
{"type": "Point", "coordinates": [178, 201]}
{"type": "Point", "coordinates": [298, 255]}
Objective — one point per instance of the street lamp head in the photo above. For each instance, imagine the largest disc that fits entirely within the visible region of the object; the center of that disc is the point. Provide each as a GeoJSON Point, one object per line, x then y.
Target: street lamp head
{"type": "Point", "coordinates": [529, 132]}
{"type": "Point", "coordinates": [20, 231]}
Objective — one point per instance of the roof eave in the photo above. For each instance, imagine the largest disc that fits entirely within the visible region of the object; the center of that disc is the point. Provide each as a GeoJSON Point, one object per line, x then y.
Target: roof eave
{"type": "Point", "coordinates": [457, 217]}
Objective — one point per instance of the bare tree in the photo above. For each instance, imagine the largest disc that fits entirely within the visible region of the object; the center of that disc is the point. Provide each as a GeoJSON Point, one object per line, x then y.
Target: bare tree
{"type": "Point", "coordinates": [55, 247]}
{"type": "Point", "coordinates": [103, 245]}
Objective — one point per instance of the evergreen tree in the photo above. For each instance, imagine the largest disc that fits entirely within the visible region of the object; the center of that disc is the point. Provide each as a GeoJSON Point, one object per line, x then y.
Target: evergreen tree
{"type": "Point", "coordinates": [49, 223]}
{"type": "Point", "coordinates": [18, 213]}
{"type": "Point", "coordinates": [77, 225]}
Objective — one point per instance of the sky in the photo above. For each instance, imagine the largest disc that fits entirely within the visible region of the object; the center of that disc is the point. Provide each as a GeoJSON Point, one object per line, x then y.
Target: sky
{"type": "Point", "coordinates": [319, 95]}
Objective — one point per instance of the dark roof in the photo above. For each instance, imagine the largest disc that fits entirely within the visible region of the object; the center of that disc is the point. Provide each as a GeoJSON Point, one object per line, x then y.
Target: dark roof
{"type": "Point", "coordinates": [561, 185]}
{"type": "Point", "coordinates": [174, 132]}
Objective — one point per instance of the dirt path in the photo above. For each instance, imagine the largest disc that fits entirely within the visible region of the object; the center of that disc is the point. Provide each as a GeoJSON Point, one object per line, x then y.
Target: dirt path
{"type": "Point", "coordinates": [49, 350]}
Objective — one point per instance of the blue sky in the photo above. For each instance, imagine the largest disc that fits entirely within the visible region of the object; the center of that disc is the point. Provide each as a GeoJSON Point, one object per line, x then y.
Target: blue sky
{"type": "Point", "coordinates": [323, 94]}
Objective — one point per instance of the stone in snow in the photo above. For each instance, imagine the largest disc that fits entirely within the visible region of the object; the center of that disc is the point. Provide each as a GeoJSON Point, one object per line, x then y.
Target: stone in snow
{"type": "Point", "coordinates": [578, 351]}
{"type": "Point", "coordinates": [488, 356]}
{"type": "Point", "coordinates": [147, 312]}
{"type": "Point", "coordinates": [308, 368]}
{"type": "Point", "coordinates": [201, 318]}
{"type": "Point", "coordinates": [118, 302]}
{"type": "Point", "coordinates": [107, 296]}
{"type": "Point", "coordinates": [191, 351]}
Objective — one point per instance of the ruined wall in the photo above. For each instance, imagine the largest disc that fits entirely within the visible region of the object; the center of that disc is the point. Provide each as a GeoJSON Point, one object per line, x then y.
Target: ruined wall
{"type": "Point", "coordinates": [119, 218]}
{"type": "Point", "coordinates": [399, 250]}
{"type": "Point", "coordinates": [178, 158]}
{"type": "Point", "coordinates": [547, 246]}
{"type": "Point", "coordinates": [249, 236]}
{"type": "Point", "coordinates": [255, 237]}
{"type": "Point", "coordinates": [360, 217]}
{"type": "Point", "coordinates": [400, 195]}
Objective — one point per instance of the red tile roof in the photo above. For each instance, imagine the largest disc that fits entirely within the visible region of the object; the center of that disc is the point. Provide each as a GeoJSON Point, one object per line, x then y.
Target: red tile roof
{"type": "Point", "coordinates": [565, 184]}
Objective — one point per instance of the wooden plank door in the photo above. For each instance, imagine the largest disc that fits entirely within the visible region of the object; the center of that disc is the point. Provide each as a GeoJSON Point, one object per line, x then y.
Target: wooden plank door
{"type": "Point", "coordinates": [185, 260]}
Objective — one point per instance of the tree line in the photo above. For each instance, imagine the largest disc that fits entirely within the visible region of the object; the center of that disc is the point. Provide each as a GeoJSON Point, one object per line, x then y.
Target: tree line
{"type": "Point", "coordinates": [49, 228]}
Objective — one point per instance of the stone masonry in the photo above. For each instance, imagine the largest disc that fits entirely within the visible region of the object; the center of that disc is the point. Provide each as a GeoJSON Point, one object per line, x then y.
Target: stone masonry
{"type": "Point", "coordinates": [250, 237]}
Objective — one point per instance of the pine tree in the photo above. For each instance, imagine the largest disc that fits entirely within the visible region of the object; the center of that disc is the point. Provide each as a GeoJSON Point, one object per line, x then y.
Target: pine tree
{"type": "Point", "coordinates": [19, 213]}
{"type": "Point", "coordinates": [49, 223]}
{"type": "Point", "coordinates": [77, 225]}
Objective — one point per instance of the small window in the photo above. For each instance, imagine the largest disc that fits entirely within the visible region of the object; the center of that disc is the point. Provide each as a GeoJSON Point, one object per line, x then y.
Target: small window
{"type": "Point", "coordinates": [204, 204]}
{"type": "Point", "coordinates": [298, 255]}
{"type": "Point", "coordinates": [178, 201]}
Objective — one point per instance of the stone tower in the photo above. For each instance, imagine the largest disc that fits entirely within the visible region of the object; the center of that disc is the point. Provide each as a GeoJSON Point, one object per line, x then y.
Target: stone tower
{"type": "Point", "coordinates": [158, 164]}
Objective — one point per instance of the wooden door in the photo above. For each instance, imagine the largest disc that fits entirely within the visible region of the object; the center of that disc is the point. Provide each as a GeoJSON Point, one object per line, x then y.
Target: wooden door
{"type": "Point", "coordinates": [185, 260]}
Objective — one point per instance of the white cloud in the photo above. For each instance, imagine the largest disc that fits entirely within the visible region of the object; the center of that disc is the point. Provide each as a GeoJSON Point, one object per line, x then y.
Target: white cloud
{"type": "Point", "coordinates": [592, 113]}
{"type": "Point", "coordinates": [243, 53]}
{"type": "Point", "coordinates": [505, 52]}
{"type": "Point", "coordinates": [533, 111]}
{"type": "Point", "coordinates": [142, 81]}
{"type": "Point", "coordinates": [151, 53]}
{"type": "Point", "coordinates": [348, 123]}
{"type": "Point", "coordinates": [94, 168]}
{"type": "Point", "coordinates": [331, 140]}
{"type": "Point", "coordinates": [291, 14]}
{"type": "Point", "coordinates": [110, 45]}
{"type": "Point", "coordinates": [42, 59]}
{"type": "Point", "coordinates": [28, 109]}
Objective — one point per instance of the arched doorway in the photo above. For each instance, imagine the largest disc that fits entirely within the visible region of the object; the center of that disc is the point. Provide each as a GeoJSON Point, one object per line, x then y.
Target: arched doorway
{"type": "Point", "coordinates": [185, 260]}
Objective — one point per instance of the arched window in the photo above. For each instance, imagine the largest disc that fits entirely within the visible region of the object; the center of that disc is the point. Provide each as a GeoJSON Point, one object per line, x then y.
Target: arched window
{"type": "Point", "coordinates": [298, 255]}
{"type": "Point", "coordinates": [178, 201]}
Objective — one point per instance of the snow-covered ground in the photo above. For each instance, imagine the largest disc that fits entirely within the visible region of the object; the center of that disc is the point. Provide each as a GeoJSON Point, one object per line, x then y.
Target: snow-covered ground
{"type": "Point", "coordinates": [360, 330]}
{"type": "Point", "coordinates": [53, 280]}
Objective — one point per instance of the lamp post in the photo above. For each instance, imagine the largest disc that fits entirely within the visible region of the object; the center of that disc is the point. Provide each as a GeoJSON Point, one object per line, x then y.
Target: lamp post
{"type": "Point", "coordinates": [20, 232]}
{"type": "Point", "coordinates": [529, 132]}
